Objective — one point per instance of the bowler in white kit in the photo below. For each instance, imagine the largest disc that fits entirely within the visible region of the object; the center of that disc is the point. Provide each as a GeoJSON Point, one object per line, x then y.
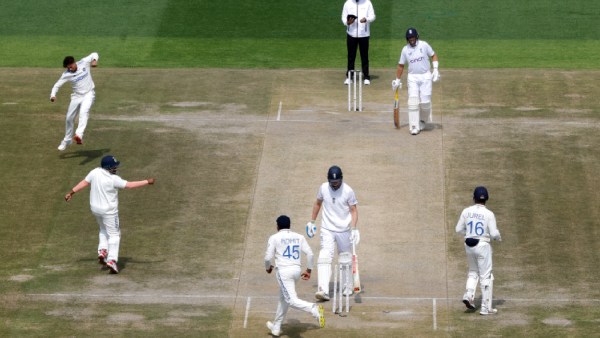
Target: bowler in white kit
{"type": "Point", "coordinates": [104, 203]}
{"type": "Point", "coordinates": [82, 98]}
{"type": "Point", "coordinates": [286, 247]}
{"type": "Point", "coordinates": [416, 55]}
{"type": "Point", "coordinates": [478, 225]}
{"type": "Point", "coordinates": [338, 226]}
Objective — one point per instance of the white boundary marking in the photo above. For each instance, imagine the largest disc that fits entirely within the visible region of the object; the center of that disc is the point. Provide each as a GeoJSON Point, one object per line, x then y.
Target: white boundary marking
{"type": "Point", "coordinates": [247, 311]}
{"type": "Point", "coordinates": [279, 111]}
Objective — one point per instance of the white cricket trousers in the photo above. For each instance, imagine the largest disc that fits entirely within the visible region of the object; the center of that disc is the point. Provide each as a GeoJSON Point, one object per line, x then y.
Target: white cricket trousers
{"type": "Point", "coordinates": [328, 242]}
{"type": "Point", "coordinates": [479, 258]}
{"type": "Point", "coordinates": [419, 86]}
{"type": "Point", "coordinates": [287, 277]}
{"type": "Point", "coordinates": [109, 236]}
{"type": "Point", "coordinates": [82, 104]}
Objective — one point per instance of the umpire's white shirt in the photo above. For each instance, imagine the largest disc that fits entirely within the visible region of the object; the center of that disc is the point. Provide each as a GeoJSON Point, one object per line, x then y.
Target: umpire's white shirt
{"type": "Point", "coordinates": [81, 80]}
{"type": "Point", "coordinates": [362, 9]}
{"type": "Point", "coordinates": [417, 57]}
{"type": "Point", "coordinates": [287, 248]}
{"type": "Point", "coordinates": [477, 221]}
{"type": "Point", "coordinates": [104, 194]}
{"type": "Point", "coordinates": [336, 207]}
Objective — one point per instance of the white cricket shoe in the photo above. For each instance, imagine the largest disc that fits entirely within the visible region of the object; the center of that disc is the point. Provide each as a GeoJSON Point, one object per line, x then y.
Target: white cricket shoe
{"type": "Point", "coordinates": [421, 124]}
{"type": "Point", "coordinates": [273, 333]}
{"type": "Point", "coordinates": [347, 81]}
{"type": "Point", "coordinates": [63, 145]}
{"type": "Point", "coordinates": [468, 302]}
{"type": "Point", "coordinates": [322, 296]}
{"type": "Point", "coordinates": [102, 254]}
{"type": "Point", "coordinates": [367, 82]}
{"type": "Point", "coordinates": [347, 291]}
{"type": "Point", "coordinates": [488, 312]}
{"type": "Point", "coordinates": [414, 130]}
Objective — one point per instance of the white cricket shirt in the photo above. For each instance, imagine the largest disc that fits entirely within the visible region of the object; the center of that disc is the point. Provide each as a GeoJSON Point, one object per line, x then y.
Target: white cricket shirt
{"type": "Point", "coordinates": [104, 194]}
{"type": "Point", "coordinates": [81, 80]}
{"type": "Point", "coordinates": [362, 9]}
{"type": "Point", "coordinates": [287, 246]}
{"type": "Point", "coordinates": [477, 221]}
{"type": "Point", "coordinates": [417, 57]}
{"type": "Point", "coordinates": [336, 207]}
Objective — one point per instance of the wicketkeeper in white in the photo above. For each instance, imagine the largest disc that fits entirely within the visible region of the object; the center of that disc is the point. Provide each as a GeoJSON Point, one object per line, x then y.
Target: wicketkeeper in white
{"type": "Point", "coordinates": [104, 202]}
{"type": "Point", "coordinates": [286, 247]}
{"type": "Point", "coordinates": [338, 226]}
{"type": "Point", "coordinates": [416, 54]}
{"type": "Point", "coordinates": [82, 98]}
{"type": "Point", "coordinates": [478, 224]}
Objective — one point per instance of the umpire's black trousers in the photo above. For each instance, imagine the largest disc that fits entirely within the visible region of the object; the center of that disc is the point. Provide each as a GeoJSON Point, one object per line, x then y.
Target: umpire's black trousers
{"type": "Point", "coordinates": [353, 43]}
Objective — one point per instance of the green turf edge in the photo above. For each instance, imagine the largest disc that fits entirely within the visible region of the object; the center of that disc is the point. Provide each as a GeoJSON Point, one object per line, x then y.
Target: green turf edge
{"type": "Point", "coordinates": [290, 53]}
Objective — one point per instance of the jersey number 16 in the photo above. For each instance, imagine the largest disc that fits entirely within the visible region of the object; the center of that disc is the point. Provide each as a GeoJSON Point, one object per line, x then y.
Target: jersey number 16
{"type": "Point", "coordinates": [478, 228]}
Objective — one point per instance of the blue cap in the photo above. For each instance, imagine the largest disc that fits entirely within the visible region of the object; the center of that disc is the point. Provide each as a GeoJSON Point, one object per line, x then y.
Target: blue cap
{"type": "Point", "coordinates": [109, 162]}
{"type": "Point", "coordinates": [480, 194]}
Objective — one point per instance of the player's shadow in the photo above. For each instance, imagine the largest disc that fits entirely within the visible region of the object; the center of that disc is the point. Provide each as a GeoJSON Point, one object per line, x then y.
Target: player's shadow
{"type": "Point", "coordinates": [86, 155]}
{"type": "Point", "coordinates": [296, 328]}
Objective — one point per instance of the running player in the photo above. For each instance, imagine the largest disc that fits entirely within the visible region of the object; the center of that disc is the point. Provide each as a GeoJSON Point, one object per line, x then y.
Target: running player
{"type": "Point", "coordinates": [82, 98]}
{"type": "Point", "coordinates": [286, 247]}
{"type": "Point", "coordinates": [104, 202]}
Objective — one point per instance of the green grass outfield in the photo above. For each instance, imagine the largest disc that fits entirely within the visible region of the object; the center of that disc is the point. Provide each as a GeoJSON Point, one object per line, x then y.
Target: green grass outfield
{"type": "Point", "coordinates": [297, 34]}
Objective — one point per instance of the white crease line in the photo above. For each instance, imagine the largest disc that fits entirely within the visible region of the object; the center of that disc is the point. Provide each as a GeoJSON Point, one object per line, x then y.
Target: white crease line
{"type": "Point", "coordinates": [279, 111]}
{"type": "Point", "coordinates": [162, 295]}
{"type": "Point", "coordinates": [247, 310]}
{"type": "Point", "coordinates": [434, 315]}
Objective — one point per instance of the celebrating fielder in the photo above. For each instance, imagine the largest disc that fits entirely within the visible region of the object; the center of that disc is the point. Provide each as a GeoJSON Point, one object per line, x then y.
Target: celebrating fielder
{"type": "Point", "coordinates": [338, 226]}
{"type": "Point", "coordinates": [286, 247]}
{"type": "Point", "coordinates": [104, 202]}
{"type": "Point", "coordinates": [82, 98]}
{"type": "Point", "coordinates": [416, 54]}
{"type": "Point", "coordinates": [478, 224]}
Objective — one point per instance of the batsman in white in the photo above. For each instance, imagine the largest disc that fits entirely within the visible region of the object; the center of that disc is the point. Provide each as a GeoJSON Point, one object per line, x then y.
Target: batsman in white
{"type": "Point", "coordinates": [416, 54]}
{"type": "Point", "coordinates": [82, 98]}
{"type": "Point", "coordinates": [478, 224]}
{"type": "Point", "coordinates": [104, 202]}
{"type": "Point", "coordinates": [338, 226]}
{"type": "Point", "coordinates": [286, 247]}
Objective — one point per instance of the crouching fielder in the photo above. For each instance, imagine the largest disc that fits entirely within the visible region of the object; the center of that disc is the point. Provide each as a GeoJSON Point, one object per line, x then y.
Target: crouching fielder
{"type": "Point", "coordinates": [416, 54]}
{"type": "Point", "coordinates": [286, 247]}
{"type": "Point", "coordinates": [104, 202]}
{"type": "Point", "coordinates": [478, 224]}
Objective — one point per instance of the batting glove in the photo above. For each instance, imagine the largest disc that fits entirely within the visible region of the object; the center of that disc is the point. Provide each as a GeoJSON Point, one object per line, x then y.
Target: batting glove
{"type": "Point", "coordinates": [311, 229]}
{"type": "Point", "coordinates": [436, 74]}
{"type": "Point", "coordinates": [396, 84]}
{"type": "Point", "coordinates": [355, 236]}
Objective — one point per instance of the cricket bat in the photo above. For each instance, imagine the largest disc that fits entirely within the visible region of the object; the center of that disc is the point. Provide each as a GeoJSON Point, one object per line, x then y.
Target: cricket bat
{"type": "Point", "coordinates": [396, 109]}
{"type": "Point", "coordinates": [355, 274]}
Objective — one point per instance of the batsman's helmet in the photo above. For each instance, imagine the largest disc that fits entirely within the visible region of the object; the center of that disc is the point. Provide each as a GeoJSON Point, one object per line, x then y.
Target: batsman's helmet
{"type": "Point", "coordinates": [480, 194]}
{"type": "Point", "coordinates": [334, 173]}
{"type": "Point", "coordinates": [412, 33]}
{"type": "Point", "coordinates": [110, 163]}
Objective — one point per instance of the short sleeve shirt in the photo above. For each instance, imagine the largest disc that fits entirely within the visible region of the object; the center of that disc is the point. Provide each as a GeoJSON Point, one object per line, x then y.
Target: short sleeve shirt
{"type": "Point", "coordinates": [417, 57]}
{"type": "Point", "coordinates": [104, 194]}
{"type": "Point", "coordinates": [336, 207]}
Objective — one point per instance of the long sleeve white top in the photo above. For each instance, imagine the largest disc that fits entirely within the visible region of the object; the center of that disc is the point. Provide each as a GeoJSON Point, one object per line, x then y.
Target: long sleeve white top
{"type": "Point", "coordinates": [361, 9]}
